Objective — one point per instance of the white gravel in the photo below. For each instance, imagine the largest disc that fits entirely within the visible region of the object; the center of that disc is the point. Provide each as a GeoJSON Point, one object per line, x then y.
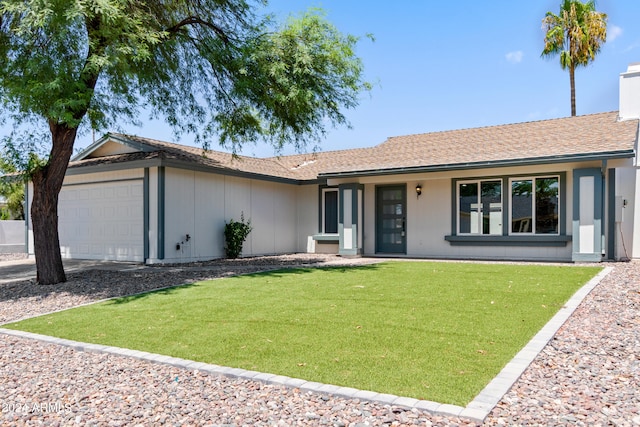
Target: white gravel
{"type": "Point", "coordinates": [589, 374]}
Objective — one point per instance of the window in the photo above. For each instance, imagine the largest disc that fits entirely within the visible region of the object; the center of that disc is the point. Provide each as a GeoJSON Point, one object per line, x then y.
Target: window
{"type": "Point", "coordinates": [534, 205]}
{"type": "Point", "coordinates": [329, 211]}
{"type": "Point", "coordinates": [517, 210]}
{"type": "Point", "coordinates": [480, 207]}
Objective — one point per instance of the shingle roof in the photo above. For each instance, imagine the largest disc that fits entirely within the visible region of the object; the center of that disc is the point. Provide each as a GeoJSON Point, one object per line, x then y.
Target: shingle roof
{"type": "Point", "coordinates": [582, 135]}
{"type": "Point", "coordinates": [195, 155]}
{"type": "Point", "coordinates": [591, 135]}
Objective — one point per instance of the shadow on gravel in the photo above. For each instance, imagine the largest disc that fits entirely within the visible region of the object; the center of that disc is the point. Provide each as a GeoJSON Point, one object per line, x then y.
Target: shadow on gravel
{"type": "Point", "coordinates": [97, 284]}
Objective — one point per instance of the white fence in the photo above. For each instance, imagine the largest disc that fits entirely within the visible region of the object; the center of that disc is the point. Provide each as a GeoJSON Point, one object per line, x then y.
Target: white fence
{"type": "Point", "coordinates": [12, 235]}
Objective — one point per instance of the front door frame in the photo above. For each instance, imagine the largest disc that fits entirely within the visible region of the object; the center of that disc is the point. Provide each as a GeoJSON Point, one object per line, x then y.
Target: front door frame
{"type": "Point", "coordinates": [381, 247]}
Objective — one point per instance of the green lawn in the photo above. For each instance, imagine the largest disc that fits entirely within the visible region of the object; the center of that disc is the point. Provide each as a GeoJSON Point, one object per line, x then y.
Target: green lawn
{"type": "Point", "coordinates": [435, 331]}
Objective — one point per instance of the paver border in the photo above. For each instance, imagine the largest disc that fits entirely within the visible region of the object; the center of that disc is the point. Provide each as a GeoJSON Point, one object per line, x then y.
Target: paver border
{"type": "Point", "coordinates": [477, 410]}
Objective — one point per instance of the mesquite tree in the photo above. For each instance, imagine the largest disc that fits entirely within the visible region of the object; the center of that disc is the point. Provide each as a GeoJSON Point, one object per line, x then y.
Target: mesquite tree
{"type": "Point", "coordinates": [215, 68]}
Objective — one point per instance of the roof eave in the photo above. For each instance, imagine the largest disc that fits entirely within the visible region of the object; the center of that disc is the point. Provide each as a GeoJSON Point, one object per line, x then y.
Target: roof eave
{"type": "Point", "coordinates": [609, 155]}
{"type": "Point", "coordinates": [109, 137]}
{"type": "Point", "coordinates": [183, 164]}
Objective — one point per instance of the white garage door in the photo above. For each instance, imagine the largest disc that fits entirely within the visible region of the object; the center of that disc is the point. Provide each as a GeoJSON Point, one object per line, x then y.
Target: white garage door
{"type": "Point", "coordinates": [102, 221]}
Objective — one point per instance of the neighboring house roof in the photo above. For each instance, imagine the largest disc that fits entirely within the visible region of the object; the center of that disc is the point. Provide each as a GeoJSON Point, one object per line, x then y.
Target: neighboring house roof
{"type": "Point", "coordinates": [596, 136]}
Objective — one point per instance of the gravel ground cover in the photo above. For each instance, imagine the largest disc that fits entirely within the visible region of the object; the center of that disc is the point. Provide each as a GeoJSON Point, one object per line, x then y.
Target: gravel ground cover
{"type": "Point", "coordinates": [589, 374]}
{"type": "Point", "coordinates": [12, 256]}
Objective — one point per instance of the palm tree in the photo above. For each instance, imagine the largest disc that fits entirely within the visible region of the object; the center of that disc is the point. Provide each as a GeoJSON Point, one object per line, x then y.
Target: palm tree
{"type": "Point", "coordinates": [575, 34]}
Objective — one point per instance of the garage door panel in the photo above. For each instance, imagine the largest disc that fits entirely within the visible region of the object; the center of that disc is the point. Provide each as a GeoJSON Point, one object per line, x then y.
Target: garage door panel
{"type": "Point", "coordinates": [102, 221]}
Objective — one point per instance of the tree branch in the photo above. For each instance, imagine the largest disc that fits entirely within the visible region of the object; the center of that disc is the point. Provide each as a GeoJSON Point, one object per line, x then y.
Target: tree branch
{"type": "Point", "coordinates": [194, 20]}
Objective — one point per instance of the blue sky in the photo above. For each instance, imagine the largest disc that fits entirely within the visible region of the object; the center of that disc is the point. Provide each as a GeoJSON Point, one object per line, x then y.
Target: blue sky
{"type": "Point", "coordinates": [440, 65]}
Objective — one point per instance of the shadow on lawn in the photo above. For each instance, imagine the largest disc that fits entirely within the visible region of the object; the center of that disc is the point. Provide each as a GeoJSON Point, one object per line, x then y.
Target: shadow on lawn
{"type": "Point", "coordinates": [343, 269]}
{"type": "Point", "coordinates": [271, 274]}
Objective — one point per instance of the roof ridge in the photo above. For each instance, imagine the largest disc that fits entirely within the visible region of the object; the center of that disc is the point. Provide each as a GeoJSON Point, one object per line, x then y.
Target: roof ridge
{"type": "Point", "coordinates": [497, 125]}
{"type": "Point", "coordinates": [313, 153]}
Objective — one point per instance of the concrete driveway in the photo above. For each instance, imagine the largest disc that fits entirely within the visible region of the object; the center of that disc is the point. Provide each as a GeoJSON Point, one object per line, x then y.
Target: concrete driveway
{"type": "Point", "coordinates": [25, 269]}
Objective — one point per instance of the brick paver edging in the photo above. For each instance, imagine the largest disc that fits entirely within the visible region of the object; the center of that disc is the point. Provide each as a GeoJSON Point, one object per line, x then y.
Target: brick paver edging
{"type": "Point", "coordinates": [477, 410]}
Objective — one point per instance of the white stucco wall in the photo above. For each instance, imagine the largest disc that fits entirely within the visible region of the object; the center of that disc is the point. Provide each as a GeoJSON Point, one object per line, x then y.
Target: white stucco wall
{"type": "Point", "coordinates": [12, 236]}
{"type": "Point", "coordinates": [307, 197]}
{"type": "Point", "coordinates": [627, 179]}
{"type": "Point", "coordinates": [199, 204]}
{"type": "Point", "coordinates": [285, 216]}
{"type": "Point", "coordinates": [429, 216]}
{"type": "Point", "coordinates": [630, 92]}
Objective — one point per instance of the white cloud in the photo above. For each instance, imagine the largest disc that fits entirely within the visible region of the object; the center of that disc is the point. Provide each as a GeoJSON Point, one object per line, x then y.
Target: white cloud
{"type": "Point", "coordinates": [631, 47]}
{"type": "Point", "coordinates": [515, 57]}
{"type": "Point", "coordinates": [613, 33]}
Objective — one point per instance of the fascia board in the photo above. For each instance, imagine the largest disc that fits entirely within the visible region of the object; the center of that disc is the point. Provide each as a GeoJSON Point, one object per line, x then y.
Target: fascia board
{"type": "Point", "coordinates": [483, 165]}
{"type": "Point", "coordinates": [107, 138]}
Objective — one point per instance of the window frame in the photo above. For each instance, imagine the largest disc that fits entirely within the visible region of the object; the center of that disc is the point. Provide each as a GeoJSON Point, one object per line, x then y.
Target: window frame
{"type": "Point", "coordinates": [479, 183]}
{"type": "Point", "coordinates": [507, 239]}
{"type": "Point", "coordinates": [533, 179]}
{"type": "Point", "coordinates": [323, 210]}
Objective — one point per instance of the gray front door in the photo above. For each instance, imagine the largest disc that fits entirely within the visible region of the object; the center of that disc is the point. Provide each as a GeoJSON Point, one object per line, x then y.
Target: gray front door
{"type": "Point", "coordinates": [391, 219]}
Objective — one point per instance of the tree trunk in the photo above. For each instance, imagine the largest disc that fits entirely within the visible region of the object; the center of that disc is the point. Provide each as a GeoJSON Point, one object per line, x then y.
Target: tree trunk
{"type": "Point", "coordinates": [47, 182]}
{"type": "Point", "coordinates": [572, 81]}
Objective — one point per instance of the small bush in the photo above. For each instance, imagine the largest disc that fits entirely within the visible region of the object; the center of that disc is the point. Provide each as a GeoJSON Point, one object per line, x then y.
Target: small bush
{"type": "Point", "coordinates": [235, 233]}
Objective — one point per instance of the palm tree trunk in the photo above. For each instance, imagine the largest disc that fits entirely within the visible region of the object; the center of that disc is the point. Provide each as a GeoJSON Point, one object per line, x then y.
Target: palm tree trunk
{"type": "Point", "coordinates": [572, 81]}
{"type": "Point", "coordinates": [47, 182]}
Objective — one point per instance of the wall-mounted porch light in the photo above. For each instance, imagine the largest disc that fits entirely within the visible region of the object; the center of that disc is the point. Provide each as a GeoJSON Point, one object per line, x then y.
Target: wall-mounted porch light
{"type": "Point", "coordinates": [418, 190]}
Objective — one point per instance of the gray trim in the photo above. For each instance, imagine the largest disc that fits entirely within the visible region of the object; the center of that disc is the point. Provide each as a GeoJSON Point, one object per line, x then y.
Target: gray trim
{"type": "Point", "coordinates": [577, 257]}
{"type": "Point", "coordinates": [622, 154]}
{"type": "Point", "coordinates": [320, 214]}
{"type": "Point", "coordinates": [321, 206]}
{"type": "Point", "coordinates": [145, 209]}
{"type": "Point", "coordinates": [493, 240]}
{"type": "Point", "coordinates": [563, 204]}
{"type": "Point", "coordinates": [506, 192]}
{"type": "Point", "coordinates": [326, 237]}
{"type": "Point", "coordinates": [454, 207]}
{"type": "Point", "coordinates": [186, 165]}
{"type": "Point", "coordinates": [108, 181]}
{"type": "Point", "coordinates": [357, 228]}
{"type": "Point", "coordinates": [611, 215]}
{"type": "Point", "coordinates": [161, 207]}
{"type": "Point", "coordinates": [596, 256]}
{"type": "Point", "coordinates": [112, 167]}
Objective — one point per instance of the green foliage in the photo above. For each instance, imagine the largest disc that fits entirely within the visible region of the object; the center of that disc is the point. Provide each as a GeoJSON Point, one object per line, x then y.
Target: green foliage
{"type": "Point", "coordinates": [575, 35]}
{"type": "Point", "coordinates": [235, 233]}
{"type": "Point", "coordinates": [95, 62]}
{"type": "Point", "coordinates": [214, 68]}
{"type": "Point", "coordinates": [11, 190]}
{"type": "Point", "coordinates": [436, 331]}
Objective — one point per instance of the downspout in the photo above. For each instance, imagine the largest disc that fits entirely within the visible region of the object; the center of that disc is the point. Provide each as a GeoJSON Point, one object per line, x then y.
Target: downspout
{"type": "Point", "coordinates": [603, 171]}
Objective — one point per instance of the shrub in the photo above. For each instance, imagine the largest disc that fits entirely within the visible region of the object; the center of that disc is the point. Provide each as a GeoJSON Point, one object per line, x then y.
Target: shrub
{"type": "Point", "coordinates": [235, 233]}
